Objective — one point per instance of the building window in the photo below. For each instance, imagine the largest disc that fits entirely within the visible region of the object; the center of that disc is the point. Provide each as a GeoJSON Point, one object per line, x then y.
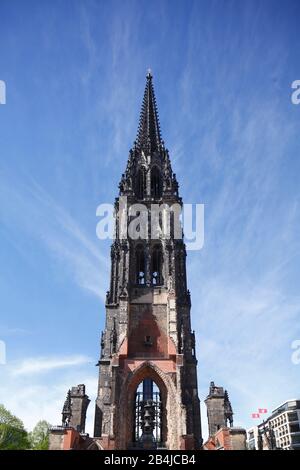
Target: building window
{"type": "Point", "coordinates": [141, 184]}
{"type": "Point", "coordinates": [140, 265]}
{"type": "Point", "coordinates": [293, 417]}
{"type": "Point", "coordinates": [156, 266]}
{"type": "Point", "coordinates": [294, 427]}
{"type": "Point", "coordinates": [155, 182]}
{"type": "Point", "coordinates": [148, 341]}
{"type": "Point", "coordinates": [296, 439]}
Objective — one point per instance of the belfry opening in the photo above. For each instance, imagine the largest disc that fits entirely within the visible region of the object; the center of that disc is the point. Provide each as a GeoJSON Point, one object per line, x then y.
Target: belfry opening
{"type": "Point", "coordinates": [148, 416]}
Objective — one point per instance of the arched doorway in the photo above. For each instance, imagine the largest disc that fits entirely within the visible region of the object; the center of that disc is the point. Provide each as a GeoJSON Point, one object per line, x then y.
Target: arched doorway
{"type": "Point", "coordinates": [145, 417]}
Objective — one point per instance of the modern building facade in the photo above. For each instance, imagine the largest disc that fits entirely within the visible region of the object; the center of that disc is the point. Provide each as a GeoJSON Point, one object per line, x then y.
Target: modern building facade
{"type": "Point", "coordinates": [281, 430]}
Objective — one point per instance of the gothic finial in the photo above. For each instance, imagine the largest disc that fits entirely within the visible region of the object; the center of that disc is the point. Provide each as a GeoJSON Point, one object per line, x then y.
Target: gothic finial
{"type": "Point", "coordinates": [181, 338]}
{"type": "Point", "coordinates": [149, 75]}
{"type": "Point", "coordinates": [102, 343]}
{"type": "Point", "coordinates": [228, 409]}
{"type": "Point", "coordinates": [67, 410]}
{"type": "Point", "coordinates": [113, 338]}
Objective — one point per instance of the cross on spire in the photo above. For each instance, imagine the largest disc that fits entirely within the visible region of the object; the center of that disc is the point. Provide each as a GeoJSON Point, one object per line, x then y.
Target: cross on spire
{"type": "Point", "coordinates": [149, 75]}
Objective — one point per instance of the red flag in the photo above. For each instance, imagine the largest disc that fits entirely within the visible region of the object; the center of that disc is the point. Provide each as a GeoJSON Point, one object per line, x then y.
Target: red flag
{"type": "Point", "coordinates": [255, 415]}
{"type": "Point", "coordinates": [262, 410]}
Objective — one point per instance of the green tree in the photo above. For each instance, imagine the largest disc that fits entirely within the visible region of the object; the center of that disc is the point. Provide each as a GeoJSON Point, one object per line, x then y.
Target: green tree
{"type": "Point", "coordinates": [13, 436]}
{"type": "Point", "coordinates": [39, 437]}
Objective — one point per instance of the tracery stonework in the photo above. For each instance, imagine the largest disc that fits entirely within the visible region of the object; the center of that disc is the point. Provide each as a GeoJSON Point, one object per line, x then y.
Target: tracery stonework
{"type": "Point", "coordinates": [147, 393]}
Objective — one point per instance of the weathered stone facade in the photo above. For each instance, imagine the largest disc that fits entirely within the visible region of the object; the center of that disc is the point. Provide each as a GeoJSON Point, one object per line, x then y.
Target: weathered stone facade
{"type": "Point", "coordinates": [220, 414]}
{"type": "Point", "coordinates": [148, 327]}
{"type": "Point", "coordinates": [75, 407]}
{"type": "Point", "coordinates": [219, 410]}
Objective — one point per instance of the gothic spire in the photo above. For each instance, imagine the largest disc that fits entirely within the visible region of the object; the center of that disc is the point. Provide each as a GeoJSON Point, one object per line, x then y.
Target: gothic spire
{"type": "Point", "coordinates": [148, 136]}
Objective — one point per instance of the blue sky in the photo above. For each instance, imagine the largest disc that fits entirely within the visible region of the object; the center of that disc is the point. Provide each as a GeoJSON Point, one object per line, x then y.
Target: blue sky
{"type": "Point", "coordinates": [75, 75]}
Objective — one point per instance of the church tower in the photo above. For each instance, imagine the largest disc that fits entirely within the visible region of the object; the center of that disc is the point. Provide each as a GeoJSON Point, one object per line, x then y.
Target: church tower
{"type": "Point", "coordinates": [219, 410]}
{"type": "Point", "coordinates": [147, 393]}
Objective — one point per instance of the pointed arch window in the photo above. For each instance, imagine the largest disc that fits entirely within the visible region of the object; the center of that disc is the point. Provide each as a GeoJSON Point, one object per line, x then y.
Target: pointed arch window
{"type": "Point", "coordinates": [140, 266]}
{"type": "Point", "coordinates": [141, 183]}
{"type": "Point", "coordinates": [156, 266]}
{"type": "Point", "coordinates": [155, 182]}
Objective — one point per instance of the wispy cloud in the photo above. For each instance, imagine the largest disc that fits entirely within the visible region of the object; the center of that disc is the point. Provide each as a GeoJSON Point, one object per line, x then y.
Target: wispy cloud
{"type": "Point", "coordinates": [39, 365]}
{"type": "Point", "coordinates": [37, 398]}
{"type": "Point", "coordinates": [6, 331]}
{"type": "Point", "coordinates": [43, 218]}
